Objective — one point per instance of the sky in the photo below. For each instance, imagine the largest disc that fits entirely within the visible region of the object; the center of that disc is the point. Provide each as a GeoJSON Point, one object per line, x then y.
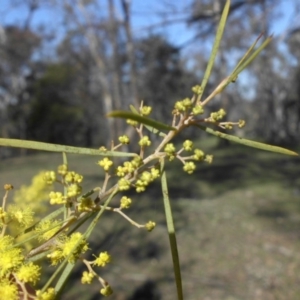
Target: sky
{"type": "Point", "coordinates": [145, 14]}
{"type": "Point", "coordinates": [180, 33]}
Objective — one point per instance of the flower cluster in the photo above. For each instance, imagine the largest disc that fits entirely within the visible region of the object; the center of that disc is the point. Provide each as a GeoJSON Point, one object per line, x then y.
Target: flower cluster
{"type": "Point", "coordinates": [188, 166]}
{"type": "Point", "coordinates": [183, 105]}
{"type": "Point", "coordinates": [57, 198]}
{"type": "Point", "coordinates": [105, 163]}
{"type": "Point", "coordinates": [102, 260]}
{"type": "Point", "coordinates": [150, 225]}
{"type": "Point", "coordinates": [144, 141]}
{"type": "Point", "coordinates": [170, 151]}
{"type": "Point", "coordinates": [72, 177]}
{"type": "Point", "coordinates": [87, 277]}
{"type": "Point", "coordinates": [68, 247]}
{"type": "Point", "coordinates": [145, 179]}
{"type": "Point", "coordinates": [106, 291]}
{"type": "Point", "coordinates": [35, 194]}
{"type": "Point", "coordinates": [217, 116]}
{"type": "Point", "coordinates": [23, 216]}
{"type": "Point", "coordinates": [124, 139]}
{"type": "Point", "coordinates": [49, 294]}
{"type": "Point", "coordinates": [46, 229]}
{"type": "Point", "coordinates": [188, 145]}
{"type": "Point", "coordinates": [197, 89]}
{"type": "Point", "coordinates": [127, 168]}
{"type": "Point", "coordinates": [198, 109]}
{"type": "Point", "coordinates": [124, 184]}
{"type": "Point", "coordinates": [50, 177]}
{"type": "Point", "coordinates": [86, 204]}
{"type": "Point", "coordinates": [146, 110]}
{"type": "Point", "coordinates": [14, 270]}
{"type": "Point", "coordinates": [70, 180]}
{"type": "Point", "coordinates": [62, 169]}
{"type": "Point", "coordinates": [125, 202]}
{"type": "Point", "coordinates": [132, 122]}
{"type": "Point", "coordinates": [198, 155]}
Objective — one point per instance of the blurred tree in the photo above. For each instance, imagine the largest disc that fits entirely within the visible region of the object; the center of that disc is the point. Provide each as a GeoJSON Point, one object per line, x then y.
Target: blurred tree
{"type": "Point", "coordinates": [17, 47]}
{"type": "Point", "coordinates": [163, 78]}
{"type": "Point", "coordinates": [102, 35]}
{"type": "Point", "coordinates": [292, 103]}
{"type": "Point", "coordinates": [54, 115]}
{"type": "Point", "coordinates": [120, 67]}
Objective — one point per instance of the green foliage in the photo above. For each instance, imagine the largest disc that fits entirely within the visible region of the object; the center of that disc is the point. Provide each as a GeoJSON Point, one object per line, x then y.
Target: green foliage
{"type": "Point", "coordinates": [162, 74]}
{"type": "Point", "coordinates": [53, 116]}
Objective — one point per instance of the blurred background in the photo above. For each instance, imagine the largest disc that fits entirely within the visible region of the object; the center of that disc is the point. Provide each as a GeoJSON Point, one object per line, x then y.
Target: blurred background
{"type": "Point", "coordinates": [64, 64]}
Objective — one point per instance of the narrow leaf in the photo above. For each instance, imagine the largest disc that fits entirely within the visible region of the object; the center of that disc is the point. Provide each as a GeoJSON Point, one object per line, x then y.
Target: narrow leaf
{"type": "Point", "coordinates": [140, 119]}
{"type": "Point", "coordinates": [246, 142]}
{"type": "Point", "coordinates": [96, 219]}
{"type": "Point", "coordinates": [247, 53]}
{"type": "Point", "coordinates": [254, 55]}
{"type": "Point", "coordinates": [63, 278]}
{"type": "Point", "coordinates": [242, 64]}
{"type": "Point", "coordinates": [151, 129]}
{"type": "Point", "coordinates": [215, 48]}
{"type": "Point", "coordinates": [59, 148]}
{"type": "Point", "coordinates": [171, 232]}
